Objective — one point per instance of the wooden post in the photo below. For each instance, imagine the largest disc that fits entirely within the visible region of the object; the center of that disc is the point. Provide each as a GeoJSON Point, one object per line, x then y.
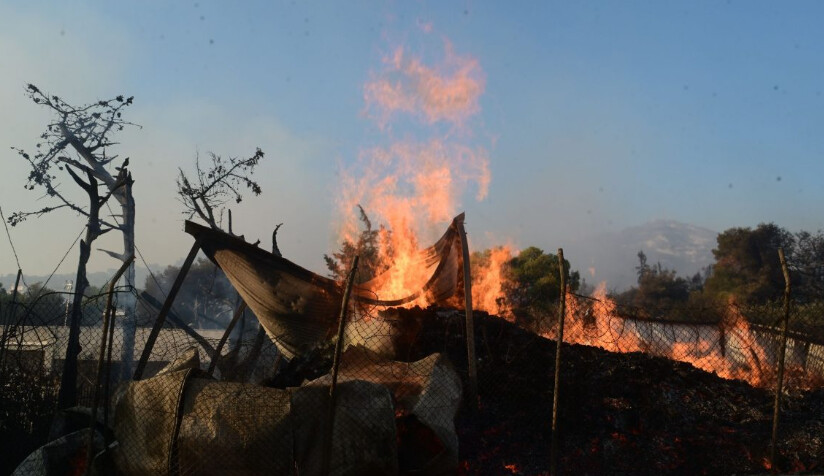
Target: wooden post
{"type": "Point", "coordinates": [167, 305]}
{"type": "Point", "coordinates": [327, 442]}
{"type": "Point", "coordinates": [472, 363]}
{"type": "Point", "coordinates": [782, 350]}
{"type": "Point", "coordinates": [101, 358]}
{"type": "Point", "coordinates": [216, 355]}
{"type": "Point", "coordinates": [553, 452]}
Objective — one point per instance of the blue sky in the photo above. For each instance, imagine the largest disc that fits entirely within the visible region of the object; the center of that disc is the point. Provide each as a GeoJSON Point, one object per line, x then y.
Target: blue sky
{"type": "Point", "coordinates": [594, 116]}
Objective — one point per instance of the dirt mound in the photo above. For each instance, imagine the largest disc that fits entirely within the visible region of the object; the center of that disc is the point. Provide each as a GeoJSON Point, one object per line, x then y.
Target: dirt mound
{"type": "Point", "coordinates": [620, 413]}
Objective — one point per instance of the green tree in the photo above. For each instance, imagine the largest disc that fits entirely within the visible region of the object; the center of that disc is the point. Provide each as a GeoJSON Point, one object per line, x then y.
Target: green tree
{"type": "Point", "coordinates": [533, 285]}
{"type": "Point", "coordinates": [659, 290]}
{"type": "Point", "coordinates": [807, 264]}
{"type": "Point", "coordinates": [747, 265]}
{"type": "Point", "coordinates": [41, 306]}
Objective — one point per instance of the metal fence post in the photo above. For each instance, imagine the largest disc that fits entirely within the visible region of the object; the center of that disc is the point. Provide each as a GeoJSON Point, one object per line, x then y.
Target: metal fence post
{"type": "Point", "coordinates": [782, 350]}
{"type": "Point", "coordinates": [327, 442]}
{"type": "Point", "coordinates": [553, 452]}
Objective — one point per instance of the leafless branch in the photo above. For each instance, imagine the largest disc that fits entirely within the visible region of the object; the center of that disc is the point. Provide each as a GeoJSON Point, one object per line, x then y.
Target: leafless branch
{"type": "Point", "coordinates": [212, 187]}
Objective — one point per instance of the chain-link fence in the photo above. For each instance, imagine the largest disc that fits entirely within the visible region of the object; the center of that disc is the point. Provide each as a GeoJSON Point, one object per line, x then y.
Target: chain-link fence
{"type": "Point", "coordinates": [400, 404]}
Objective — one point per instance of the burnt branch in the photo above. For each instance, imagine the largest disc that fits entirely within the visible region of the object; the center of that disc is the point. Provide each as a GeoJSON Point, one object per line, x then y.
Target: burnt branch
{"type": "Point", "coordinates": [211, 188]}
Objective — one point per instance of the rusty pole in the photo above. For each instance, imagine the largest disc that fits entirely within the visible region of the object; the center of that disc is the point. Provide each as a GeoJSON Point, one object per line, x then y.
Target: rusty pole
{"type": "Point", "coordinates": [782, 350]}
{"type": "Point", "coordinates": [107, 315]}
{"type": "Point", "coordinates": [167, 306]}
{"type": "Point", "coordinates": [553, 451]}
{"type": "Point", "coordinates": [327, 442]}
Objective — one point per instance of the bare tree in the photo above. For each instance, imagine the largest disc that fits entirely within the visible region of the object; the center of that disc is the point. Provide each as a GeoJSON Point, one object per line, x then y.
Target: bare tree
{"type": "Point", "coordinates": [77, 142]}
{"type": "Point", "coordinates": [211, 188]}
{"type": "Point", "coordinates": [205, 195]}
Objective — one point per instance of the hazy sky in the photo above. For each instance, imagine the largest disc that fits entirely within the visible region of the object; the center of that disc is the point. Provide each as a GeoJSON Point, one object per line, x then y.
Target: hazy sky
{"type": "Point", "coordinates": [589, 116]}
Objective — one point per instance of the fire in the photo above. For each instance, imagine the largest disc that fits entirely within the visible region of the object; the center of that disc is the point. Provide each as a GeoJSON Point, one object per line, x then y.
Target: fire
{"type": "Point", "coordinates": [706, 354]}
{"type": "Point", "coordinates": [488, 283]}
{"type": "Point", "coordinates": [448, 91]}
{"type": "Point", "coordinates": [598, 325]}
{"type": "Point", "coordinates": [513, 468]}
{"type": "Point", "coordinates": [731, 350]}
{"type": "Point", "coordinates": [414, 187]}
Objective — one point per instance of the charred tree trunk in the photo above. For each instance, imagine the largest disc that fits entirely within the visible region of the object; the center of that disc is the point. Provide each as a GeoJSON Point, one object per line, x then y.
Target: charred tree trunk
{"type": "Point", "coordinates": [67, 396]}
{"type": "Point", "coordinates": [121, 188]}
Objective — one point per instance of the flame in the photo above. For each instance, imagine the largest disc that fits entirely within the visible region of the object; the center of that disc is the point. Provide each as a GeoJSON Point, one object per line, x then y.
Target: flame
{"type": "Point", "coordinates": [706, 354]}
{"type": "Point", "coordinates": [488, 280]}
{"type": "Point", "coordinates": [731, 350]}
{"type": "Point", "coordinates": [448, 91]}
{"type": "Point", "coordinates": [413, 188]}
{"type": "Point", "coordinates": [513, 468]}
{"type": "Point", "coordinates": [599, 325]}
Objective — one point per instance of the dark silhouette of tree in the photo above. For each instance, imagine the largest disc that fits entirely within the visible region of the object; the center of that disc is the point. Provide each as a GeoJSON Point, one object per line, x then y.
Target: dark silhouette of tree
{"type": "Point", "coordinates": [205, 194]}
{"type": "Point", "coordinates": [807, 264]}
{"type": "Point", "coordinates": [205, 300]}
{"type": "Point", "coordinates": [77, 142]}
{"type": "Point", "coordinates": [643, 268]}
{"type": "Point", "coordinates": [747, 265]}
{"type": "Point", "coordinates": [661, 293]}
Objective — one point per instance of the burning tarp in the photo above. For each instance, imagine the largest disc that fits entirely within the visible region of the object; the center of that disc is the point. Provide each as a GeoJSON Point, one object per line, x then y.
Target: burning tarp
{"type": "Point", "coordinates": [298, 308]}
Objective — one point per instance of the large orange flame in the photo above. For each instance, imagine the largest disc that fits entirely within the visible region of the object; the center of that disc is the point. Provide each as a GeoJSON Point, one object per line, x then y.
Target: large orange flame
{"type": "Point", "coordinates": [414, 188]}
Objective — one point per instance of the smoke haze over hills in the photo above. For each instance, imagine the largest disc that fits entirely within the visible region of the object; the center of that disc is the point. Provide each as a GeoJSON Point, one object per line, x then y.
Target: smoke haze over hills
{"type": "Point", "coordinates": [612, 257]}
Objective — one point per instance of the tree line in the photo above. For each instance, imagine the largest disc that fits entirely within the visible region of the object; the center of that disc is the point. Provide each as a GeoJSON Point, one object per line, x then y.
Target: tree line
{"type": "Point", "coordinates": [746, 271]}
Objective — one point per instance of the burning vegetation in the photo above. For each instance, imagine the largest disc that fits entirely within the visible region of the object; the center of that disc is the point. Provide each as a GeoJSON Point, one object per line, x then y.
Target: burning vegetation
{"type": "Point", "coordinates": [679, 387]}
{"type": "Point", "coordinates": [625, 413]}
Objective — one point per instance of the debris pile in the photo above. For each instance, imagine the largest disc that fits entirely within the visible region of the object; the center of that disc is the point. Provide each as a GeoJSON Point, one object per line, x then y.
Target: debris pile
{"type": "Point", "coordinates": [622, 413]}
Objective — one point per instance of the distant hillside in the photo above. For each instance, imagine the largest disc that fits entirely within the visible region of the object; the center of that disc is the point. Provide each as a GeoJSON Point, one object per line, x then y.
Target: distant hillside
{"type": "Point", "coordinates": [98, 278]}
{"type": "Point", "coordinates": [612, 257]}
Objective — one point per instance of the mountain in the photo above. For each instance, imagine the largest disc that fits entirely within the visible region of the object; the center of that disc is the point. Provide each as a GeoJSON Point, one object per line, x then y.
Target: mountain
{"type": "Point", "coordinates": [612, 257]}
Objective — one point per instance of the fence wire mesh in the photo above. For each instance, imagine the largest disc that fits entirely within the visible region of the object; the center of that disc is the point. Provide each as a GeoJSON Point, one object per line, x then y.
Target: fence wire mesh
{"type": "Point", "coordinates": [401, 402]}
